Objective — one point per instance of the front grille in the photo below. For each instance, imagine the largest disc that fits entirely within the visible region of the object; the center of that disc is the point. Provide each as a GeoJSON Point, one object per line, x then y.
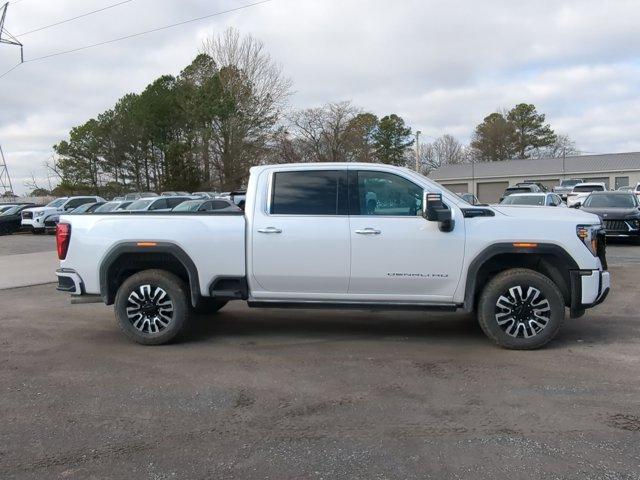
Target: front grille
{"type": "Point", "coordinates": [616, 225]}
{"type": "Point", "coordinates": [27, 214]}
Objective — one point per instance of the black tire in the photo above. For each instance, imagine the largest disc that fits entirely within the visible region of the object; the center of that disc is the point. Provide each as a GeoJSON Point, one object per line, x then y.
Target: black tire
{"type": "Point", "coordinates": [5, 230]}
{"type": "Point", "coordinates": [38, 231]}
{"type": "Point", "coordinates": [209, 305]}
{"type": "Point", "coordinates": [516, 317]}
{"type": "Point", "coordinates": [149, 320]}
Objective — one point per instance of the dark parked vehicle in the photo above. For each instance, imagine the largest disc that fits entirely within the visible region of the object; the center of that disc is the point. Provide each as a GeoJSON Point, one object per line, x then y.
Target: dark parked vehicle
{"type": "Point", "coordinates": [542, 187]}
{"type": "Point", "coordinates": [51, 221]}
{"type": "Point", "coordinates": [11, 217]}
{"type": "Point", "coordinates": [619, 211]}
{"type": "Point", "coordinates": [207, 205]}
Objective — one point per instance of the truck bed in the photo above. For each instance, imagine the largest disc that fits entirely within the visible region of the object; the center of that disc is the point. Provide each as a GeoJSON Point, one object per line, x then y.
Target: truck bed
{"type": "Point", "coordinates": [216, 241]}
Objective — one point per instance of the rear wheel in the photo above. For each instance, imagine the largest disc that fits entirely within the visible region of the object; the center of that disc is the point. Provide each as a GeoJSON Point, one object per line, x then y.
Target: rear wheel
{"type": "Point", "coordinates": [152, 307]}
{"type": "Point", "coordinates": [5, 229]}
{"type": "Point", "coordinates": [521, 309]}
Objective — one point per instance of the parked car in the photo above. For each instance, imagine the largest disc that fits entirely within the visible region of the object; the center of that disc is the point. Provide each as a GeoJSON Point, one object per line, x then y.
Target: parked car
{"type": "Point", "coordinates": [51, 221]}
{"type": "Point", "coordinates": [566, 186]}
{"type": "Point", "coordinates": [161, 204]}
{"type": "Point", "coordinates": [10, 218]}
{"type": "Point", "coordinates": [520, 188]}
{"type": "Point", "coordinates": [206, 194]}
{"type": "Point", "coordinates": [541, 199]}
{"type": "Point", "coordinates": [397, 240]}
{"type": "Point", "coordinates": [582, 190]}
{"type": "Point", "coordinates": [207, 205]}
{"type": "Point", "coordinates": [113, 205]}
{"type": "Point", "coordinates": [138, 195]}
{"type": "Point", "coordinates": [541, 186]}
{"type": "Point", "coordinates": [619, 212]}
{"type": "Point", "coordinates": [469, 198]}
{"type": "Point", "coordinates": [7, 206]}
{"type": "Point", "coordinates": [33, 218]}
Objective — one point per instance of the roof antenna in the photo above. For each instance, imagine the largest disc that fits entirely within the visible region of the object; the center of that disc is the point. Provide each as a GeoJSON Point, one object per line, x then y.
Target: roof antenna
{"type": "Point", "coordinates": [5, 36]}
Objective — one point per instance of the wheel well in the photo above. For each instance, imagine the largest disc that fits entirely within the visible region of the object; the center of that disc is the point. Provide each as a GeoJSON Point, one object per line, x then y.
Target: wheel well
{"type": "Point", "coordinates": [555, 267]}
{"type": "Point", "coordinates": [129, 263]}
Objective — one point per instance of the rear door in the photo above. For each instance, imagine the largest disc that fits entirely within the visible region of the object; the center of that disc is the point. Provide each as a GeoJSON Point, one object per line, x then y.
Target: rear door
{"type": "Point", "coordinates": [395, 253]}
{"type": "Point", "coordinates": [300, 234]}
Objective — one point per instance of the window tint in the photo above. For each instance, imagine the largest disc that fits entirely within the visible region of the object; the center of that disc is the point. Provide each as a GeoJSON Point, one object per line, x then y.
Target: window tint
{"type": "Point", "coordinates": [380, 193]}
{"type": "Point", "coordinates": [217, 205]}
{"type": "Point", "coordinates": [309, 192]}
{"type": "Point", "coordinates": [76, 202]}
{"type": "Point", "coordinates": [159, 204]}
{"type": "Point", "coordinates": [173, 202]}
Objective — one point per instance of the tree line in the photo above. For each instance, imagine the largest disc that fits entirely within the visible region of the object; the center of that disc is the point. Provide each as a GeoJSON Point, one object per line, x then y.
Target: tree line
{"type": "Point", "coordinates": [227, 111]}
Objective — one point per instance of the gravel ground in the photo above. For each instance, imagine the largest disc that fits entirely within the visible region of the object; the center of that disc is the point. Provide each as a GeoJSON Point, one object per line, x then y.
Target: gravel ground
{"type": "Point", "coordinates": [287, 394]}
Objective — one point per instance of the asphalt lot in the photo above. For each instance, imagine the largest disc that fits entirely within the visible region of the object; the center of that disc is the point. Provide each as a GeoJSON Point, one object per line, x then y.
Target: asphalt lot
{"type": "Point", "coordinates": [288, 394]}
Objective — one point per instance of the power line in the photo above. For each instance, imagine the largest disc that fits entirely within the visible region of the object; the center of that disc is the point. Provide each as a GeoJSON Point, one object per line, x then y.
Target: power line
{"type": "Point", "coordinates": [126, 37]}
{"type": "Point", "coordinates": [73, 18]}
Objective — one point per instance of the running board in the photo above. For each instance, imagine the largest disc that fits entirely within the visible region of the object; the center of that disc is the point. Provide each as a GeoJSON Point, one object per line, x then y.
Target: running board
{"type": "Point", "coordinates": [337, 305]}
{"type": "Point", "coordinates": [77, 299]}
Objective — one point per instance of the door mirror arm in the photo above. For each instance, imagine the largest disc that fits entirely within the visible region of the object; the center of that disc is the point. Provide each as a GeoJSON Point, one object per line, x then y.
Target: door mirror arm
{"type": "Point", "coordinates": [436, 211]}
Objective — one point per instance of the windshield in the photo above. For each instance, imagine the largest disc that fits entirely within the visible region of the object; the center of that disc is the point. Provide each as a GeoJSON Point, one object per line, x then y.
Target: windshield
{"type": "Point", "coordinates": [524, 200]}
{"type": "Point", "coordinates": [140, 204]}
{"type": "Point", "coordinates": [9, 210]}
{"type": "Point", "coordinates": [611, 201]}
{"type": "Point", "coordinates": [189, 206]}
{"type": "Point", "coordinates": [107, 207]}
{"type": "Point", "coordinates": [512, 190]}
{"type": "Point", "coordinates": [57, 202]}
{"type": "Point", "coordinates": [570, 183]}
{"type": "Point", "coordinates": [588, 188]}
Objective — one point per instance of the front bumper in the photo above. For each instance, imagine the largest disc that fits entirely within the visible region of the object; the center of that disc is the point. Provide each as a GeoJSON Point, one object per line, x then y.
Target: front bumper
{"type": "Point", "coordinates": [588, 289]}
{"type": "Point", "coordinates": [31, 223]}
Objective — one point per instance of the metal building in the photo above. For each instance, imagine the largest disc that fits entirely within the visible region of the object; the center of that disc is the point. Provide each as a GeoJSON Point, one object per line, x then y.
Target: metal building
{"type": "Point", "coordinates": [488, 180]}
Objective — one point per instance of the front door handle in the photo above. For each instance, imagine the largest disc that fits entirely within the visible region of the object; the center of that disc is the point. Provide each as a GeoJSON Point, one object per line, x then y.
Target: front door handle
{"type": "Point", "coordinates": [270, 230]}
{"type": "Point", "coordinates": [368, 231]}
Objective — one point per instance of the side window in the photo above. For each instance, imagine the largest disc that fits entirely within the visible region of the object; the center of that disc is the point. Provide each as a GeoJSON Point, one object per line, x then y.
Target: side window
{"type": "Point", "coordinates": [309, 192]}
{"type": "Point", "coordinates": [217, 205]}
{"type": "Point", "coordinates": [174, 202]}
{"type": "Point", "coordinates": [76, 202]}
{"type": "Point", "coordinates": [159, 204]}
{"type": "Point", "coordinates": [381, 193]}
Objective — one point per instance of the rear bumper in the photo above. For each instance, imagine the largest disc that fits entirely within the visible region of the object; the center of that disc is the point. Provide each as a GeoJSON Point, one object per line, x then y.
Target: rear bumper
{"type": "Point", "coordinates": [588, 289]}
{"type": "Point", "coordinates": [69, 281]}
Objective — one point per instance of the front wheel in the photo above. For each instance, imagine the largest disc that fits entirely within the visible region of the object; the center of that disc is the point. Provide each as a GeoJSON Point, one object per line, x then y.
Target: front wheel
{"type": "Point", "coordinates": [152, 307]}
{"type": "Point", "coordinates": [521, 309]}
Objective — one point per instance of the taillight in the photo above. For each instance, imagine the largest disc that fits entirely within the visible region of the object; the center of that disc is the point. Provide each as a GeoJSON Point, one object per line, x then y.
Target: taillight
{"type": "Point", "coordinates": [63, 237]}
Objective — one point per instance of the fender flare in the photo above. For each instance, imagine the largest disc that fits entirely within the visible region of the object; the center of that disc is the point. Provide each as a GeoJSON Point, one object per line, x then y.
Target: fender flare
{"type": "Point", "coordinates": [501, 248]}
{"type": "Point", "coordinates": [160, 247]}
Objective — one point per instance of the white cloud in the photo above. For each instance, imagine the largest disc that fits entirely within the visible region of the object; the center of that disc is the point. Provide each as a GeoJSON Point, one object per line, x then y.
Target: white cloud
{"type": "Point", "coordinates": [441, 65]}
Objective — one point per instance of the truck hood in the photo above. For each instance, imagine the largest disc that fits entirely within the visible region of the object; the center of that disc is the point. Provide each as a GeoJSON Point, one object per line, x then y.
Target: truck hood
{"type": "Point", "coordinates": [548, 213]}
{"type": "Point", "coordinates": [41, 209]}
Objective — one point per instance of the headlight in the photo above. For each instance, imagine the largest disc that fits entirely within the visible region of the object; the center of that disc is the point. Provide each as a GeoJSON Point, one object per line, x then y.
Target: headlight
{"type": "Point", "coordinates": [634, 223]}
{"type": "Point", "coordinates": [39, 214]}
{"type": "Point", "coordinates": [588, 235]}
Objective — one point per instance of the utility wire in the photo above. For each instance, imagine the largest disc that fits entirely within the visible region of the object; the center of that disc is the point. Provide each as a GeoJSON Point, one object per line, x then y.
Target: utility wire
{"type": "Point", "coordinates": [126, 37]}
{"type": "Point", "coordinates": [73, 18]}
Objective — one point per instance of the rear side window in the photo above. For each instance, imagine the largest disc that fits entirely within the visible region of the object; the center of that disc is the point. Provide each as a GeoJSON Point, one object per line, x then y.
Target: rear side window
{"type": "Point", "coordinates": [159, 204]}
{"type": "Point", "coordinates": [174, 202]}
{"type": "Point", "coordinates": [76, 202]}
{"type": "Point", "coordinates": [217, 205]}
{"type": "Point", "coordinates": [309, 192]}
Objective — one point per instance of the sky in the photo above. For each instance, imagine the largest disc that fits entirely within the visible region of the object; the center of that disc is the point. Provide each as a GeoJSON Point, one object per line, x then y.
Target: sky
{"type": "Point", "coordinates": [441, 65]}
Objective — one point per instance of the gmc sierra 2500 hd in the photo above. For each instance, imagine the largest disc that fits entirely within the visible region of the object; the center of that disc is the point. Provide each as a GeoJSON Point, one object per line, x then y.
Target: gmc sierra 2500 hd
{"type": "Point", "coordinates": [340, 235]}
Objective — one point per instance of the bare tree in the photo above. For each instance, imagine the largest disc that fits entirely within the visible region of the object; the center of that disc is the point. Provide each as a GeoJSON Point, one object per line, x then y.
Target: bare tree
{"type": "Point", "coordinates": [442, 151]}
{"type": "Point", "coordinates": [323, 131]}
{"type": "Point", "coordinates": [255, 92]}
{"type": "Point", "coordinates": [563, 146]}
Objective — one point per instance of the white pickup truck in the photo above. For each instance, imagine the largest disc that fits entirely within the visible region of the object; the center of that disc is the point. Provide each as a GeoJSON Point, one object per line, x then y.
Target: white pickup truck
{"type": "Point", "coordinates": [340, 235]}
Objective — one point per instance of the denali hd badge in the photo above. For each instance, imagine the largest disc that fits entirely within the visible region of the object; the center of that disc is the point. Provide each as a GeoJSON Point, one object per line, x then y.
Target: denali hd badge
{"type": "Point", "coordinates": [422, 275]}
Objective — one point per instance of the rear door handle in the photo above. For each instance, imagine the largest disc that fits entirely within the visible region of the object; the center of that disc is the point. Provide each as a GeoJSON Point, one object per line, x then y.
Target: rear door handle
{"type": "Point", "coordinates": [270, 230]}
{"type": "Point", "coordinates": [368, 231]}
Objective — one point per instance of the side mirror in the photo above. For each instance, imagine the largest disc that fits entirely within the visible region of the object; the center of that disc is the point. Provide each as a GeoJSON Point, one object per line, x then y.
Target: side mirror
{"type": "Point", "coordinates": [436, 211]}
{"type": "Point", "coordinates": [576, 205]}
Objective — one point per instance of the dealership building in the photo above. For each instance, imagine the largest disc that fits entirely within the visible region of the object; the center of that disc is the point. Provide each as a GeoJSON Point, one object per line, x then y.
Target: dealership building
{"type": "Point", "coordinates": [488, 180]}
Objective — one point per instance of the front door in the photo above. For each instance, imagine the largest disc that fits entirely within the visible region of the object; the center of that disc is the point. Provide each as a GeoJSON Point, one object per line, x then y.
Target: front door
{"type": "Point", "coordinates": [395, 253]}
{"type": "Point", "coordinates": [300, 238]}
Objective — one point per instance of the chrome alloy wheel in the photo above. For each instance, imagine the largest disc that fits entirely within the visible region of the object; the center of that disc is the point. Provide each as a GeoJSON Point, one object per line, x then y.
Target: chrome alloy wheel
{"type": "Point", "coordinates": [522, 315]}
{"type": "Point", "coordinates": [149, 309]}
